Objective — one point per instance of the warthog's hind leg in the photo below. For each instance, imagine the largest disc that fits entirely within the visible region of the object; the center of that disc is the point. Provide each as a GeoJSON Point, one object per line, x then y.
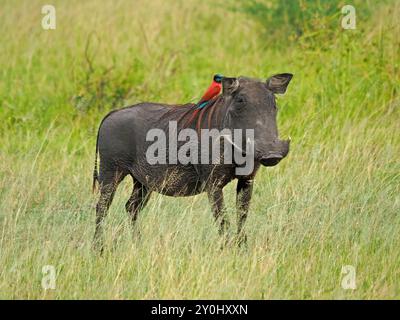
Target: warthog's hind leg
{"type": "Point", "coordinates": [138, 200]}
{"type": "Point", "coordinates": [109, 182]}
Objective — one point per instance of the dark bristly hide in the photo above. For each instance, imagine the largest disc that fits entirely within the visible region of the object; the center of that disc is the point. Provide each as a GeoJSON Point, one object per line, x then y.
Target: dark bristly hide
{"type": "Point", "coordinates": [245, 103]}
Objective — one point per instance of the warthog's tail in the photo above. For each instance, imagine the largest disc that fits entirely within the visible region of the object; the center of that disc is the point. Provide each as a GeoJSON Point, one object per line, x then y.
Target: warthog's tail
{"type": "Point", "coordinates": [95, 172]}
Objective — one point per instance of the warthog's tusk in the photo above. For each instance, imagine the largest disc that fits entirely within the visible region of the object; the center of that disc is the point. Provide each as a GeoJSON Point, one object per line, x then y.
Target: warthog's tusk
{"type": "Point", "coordinates": [228, 138]}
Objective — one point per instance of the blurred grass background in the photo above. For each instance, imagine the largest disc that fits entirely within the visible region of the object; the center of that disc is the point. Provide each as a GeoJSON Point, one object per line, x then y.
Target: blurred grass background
{"type": "Point", "coordinates": [334, 201]}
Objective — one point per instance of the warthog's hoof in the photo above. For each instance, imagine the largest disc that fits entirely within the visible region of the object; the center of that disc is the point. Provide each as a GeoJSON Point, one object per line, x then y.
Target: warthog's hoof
{"type": "Point", "coordinates": [241, 240]}
{"type": "Point", "coordinates": [98, 246]}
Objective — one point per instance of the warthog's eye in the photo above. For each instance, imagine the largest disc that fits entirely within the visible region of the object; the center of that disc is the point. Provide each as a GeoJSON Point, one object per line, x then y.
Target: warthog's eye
{"type": "Point", "coordinates": [240, 99]}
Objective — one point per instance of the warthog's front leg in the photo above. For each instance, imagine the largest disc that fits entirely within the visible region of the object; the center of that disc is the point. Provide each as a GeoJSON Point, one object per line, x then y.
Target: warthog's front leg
{"type": "Point", "coordinates": [216, 198]}
{"type": "Point", "coordinates": [243, 196]}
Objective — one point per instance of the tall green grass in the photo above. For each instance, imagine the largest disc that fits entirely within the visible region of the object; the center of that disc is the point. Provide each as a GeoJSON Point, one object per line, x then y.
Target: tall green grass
{"type": "Point", "coordinates": [333, 202]}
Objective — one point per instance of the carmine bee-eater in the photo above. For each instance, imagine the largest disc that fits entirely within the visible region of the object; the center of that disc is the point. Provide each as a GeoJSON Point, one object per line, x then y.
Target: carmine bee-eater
{"type": "Point", "coordinates": [213, 90]}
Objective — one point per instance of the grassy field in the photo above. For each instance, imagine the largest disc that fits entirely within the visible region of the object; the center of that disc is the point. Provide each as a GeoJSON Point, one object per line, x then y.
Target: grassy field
{"type": "Point", "coordinates": [334, 201]}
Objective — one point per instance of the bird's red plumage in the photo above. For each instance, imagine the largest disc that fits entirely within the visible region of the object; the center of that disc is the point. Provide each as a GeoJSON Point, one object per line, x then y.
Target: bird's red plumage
{"type": "Point", "coordinates": [213, 90]}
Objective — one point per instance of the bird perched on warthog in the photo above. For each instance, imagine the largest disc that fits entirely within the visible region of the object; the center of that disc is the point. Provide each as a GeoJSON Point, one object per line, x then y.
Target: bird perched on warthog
{"type": "Point", "coordinates": [212, 91]}
{"type": "Point", "coordinates": [123, 144]}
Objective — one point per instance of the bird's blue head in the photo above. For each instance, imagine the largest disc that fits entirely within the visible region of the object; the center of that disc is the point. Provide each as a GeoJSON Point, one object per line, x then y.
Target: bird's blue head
{"type": "Point", "coordinates": [218, 78]}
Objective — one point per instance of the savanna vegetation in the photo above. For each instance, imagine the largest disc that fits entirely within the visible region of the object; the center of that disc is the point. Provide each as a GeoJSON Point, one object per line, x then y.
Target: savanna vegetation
{"type": "Point", "coordinates": [334, 201]}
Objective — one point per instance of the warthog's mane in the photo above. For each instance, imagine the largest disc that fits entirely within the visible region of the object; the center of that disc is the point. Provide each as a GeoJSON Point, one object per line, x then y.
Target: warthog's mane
{"type": "Point", "coordinates": [187, 114]}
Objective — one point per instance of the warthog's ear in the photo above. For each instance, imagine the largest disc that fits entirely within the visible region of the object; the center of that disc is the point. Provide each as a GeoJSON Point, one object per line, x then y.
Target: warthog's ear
{"type": "Point", "coordinates": [279, 82]}
{"type": "Point", "coordinates": [229, 85]}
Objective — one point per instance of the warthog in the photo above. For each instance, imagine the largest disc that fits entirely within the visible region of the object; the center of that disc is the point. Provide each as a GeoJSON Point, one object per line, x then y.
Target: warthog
{"type": "Point", "coordinates": [122, 145]}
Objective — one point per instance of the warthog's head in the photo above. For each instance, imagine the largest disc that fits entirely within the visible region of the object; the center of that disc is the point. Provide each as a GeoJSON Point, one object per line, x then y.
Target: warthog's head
{"type": "Point", "coordinates": [251, 105]}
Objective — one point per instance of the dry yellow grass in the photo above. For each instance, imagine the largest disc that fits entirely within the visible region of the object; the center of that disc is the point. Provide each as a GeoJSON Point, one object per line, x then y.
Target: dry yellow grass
{"type": "Point", "coordinates": [333, 202]}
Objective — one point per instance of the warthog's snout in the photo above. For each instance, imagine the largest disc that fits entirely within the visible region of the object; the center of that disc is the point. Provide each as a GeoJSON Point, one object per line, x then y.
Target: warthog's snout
{"type": "Point", "coordinates": [271, 160]}
{"type": "Point", "coordinates": [280, 150]}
